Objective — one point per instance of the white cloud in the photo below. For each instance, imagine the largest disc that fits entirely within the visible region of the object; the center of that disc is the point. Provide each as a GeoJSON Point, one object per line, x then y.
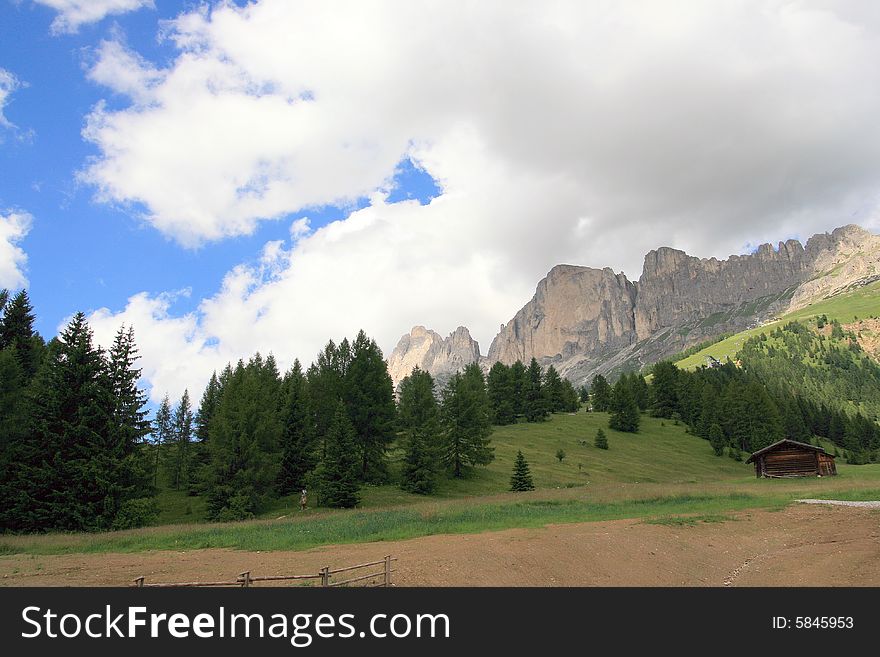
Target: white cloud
{"type": "Point", "coordinates": [8, 84]}
{"type": "Point", "coordinates": [72, 14]}
{"type": "Point", "coordinates": [14, 226]}
{"type": "Point", "coordinates": [561, 131]}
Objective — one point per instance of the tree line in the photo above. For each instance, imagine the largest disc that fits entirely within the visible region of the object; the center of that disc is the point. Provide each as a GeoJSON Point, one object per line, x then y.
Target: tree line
{"type": "Point", "coordinates": [72, 420]}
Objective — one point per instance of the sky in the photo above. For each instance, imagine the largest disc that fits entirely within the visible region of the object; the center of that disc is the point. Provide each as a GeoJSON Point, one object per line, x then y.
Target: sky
{"type": "Point", "coordinates": [229, 177]}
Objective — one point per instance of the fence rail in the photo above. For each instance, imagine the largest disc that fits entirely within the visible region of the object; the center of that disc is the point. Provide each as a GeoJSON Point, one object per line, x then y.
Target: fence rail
{"type": "Point", "coordinates": [324, 577]}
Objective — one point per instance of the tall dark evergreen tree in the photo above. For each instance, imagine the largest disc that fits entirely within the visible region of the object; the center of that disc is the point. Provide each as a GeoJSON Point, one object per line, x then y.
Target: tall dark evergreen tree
{"type": "Point", "coordinates": [624, 409]}
{"type": "Point", "coordinates": [554, 391]}
{"type": "Point", "coordinates": [369, 397]}
{"type": "Point", "coordinates": [536, 403]}
{"type": "Point", "coordinates": [178, 452]}
{"type": "Point", "coordinates": [244, 443]}
{"type": "Point", "coordinates": [68, 479]}
{"type": "Point", "coordinates": [600, 394]}
{"type": "Point", "coordinates": [419, 420]}
{"type": "Point", "coordinates": [664, 389]}
{"type": "Point", "coordinates": [465, 415]}
{"type": "Point", "coordinates": [337, 475]}
{"type": "Point", "coordinates": [17, 333]}
{"type": "Point", "coordinates": [207, 408]}
{"type": "Point", "coordinates": [501, 394]}
{"type": "Point", "coordinates": [299, 454]}
{"type": "Point", "coordinates": [519, 381]}
{"type": "Point", "coordinates": [162, 433]}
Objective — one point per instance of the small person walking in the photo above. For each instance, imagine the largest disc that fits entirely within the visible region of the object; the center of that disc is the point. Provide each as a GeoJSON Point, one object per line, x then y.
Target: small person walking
{"type": "Point", "coordinates": [303, 500]}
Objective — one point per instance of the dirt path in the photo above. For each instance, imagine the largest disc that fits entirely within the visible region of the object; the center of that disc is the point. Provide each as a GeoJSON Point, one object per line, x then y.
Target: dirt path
{"type": "Point", "coordinates": [804, 545]}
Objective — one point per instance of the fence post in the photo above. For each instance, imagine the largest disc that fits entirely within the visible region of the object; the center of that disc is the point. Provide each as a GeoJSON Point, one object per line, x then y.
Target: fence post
{"type": "Point", "coordinates": [245, 578]}
{"type": "Point", "coordinates": [139, 581]}
{"type": "Point", "coordinates": [325, 576]}
{"type": "Point", "coordinates": [388, 570]}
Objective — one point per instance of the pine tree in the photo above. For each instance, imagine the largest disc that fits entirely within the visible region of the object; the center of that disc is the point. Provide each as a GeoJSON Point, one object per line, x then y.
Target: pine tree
{"type": "Point", "coordinates": [69, 478]}
{"type": "Point", "coordinates": [640, 391]}
{"type": "Point", "coordinates": [337, 475]}
{"type": "Point", "coordinates": [178, 451]}
{"type": "Point", "coordinates": [570, 398]}
{"type": "Point", "coordinates": [501, 394]}
{"type": "Point", "coordinates": [419, 421]}
{"type": "Point", "coordinates": [369, 397]}
{"type": "Point", "coordinates": [519, 383]}
{"type": "Point", "coordinates": [601, 440]}
{"type": "Point", "coordinates": [207, 408]}
{"type": "Point", "coordinates": [298, 442]}
{"type": "Point", "coordinates": [600, 394]}
{"type": "Point", "coordinates": [521, 480]}
{"type": "Point", "coordinates": [128, 423]}
{"type": "Point", "coordinates": [17, 333]}
{"type": "Point", "coordinates": [162, 433]}
{"type": "Point", "coordinates": [536, 403]}
{"type": "Point", "coordinates": [554, 391]}
{"type": "Point", "coordinates": [465, 417]}
{"type": "Point", "coordinates": [664, 390]}
{"type": "Point", "coordinates": [244, 442]}
{"type": "Point", "coordinates": [716, 439]}
{"type": "Point", "coordinates": [624, 410]}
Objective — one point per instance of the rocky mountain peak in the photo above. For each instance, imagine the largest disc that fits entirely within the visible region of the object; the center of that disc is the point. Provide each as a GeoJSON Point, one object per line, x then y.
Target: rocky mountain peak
{"type": "Point", "coordinates": [429, 351]}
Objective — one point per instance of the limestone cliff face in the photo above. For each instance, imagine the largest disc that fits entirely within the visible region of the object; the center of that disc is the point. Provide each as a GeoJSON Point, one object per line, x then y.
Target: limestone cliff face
{"type": "Point", "coordinates": [585, 320]}
{"type": "Point", "coordinates": [848, 257]}
{"type": "Point", "coordinates": [429, 351]}
{"type": "Point", "coordinates": [575, 310]}
{"type": "Point", "coordinates": [677, 289]}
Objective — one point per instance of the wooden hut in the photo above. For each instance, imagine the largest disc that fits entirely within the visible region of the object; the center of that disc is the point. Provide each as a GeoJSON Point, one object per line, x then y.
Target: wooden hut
{"type": "Point", "coordinates": [789, 458]}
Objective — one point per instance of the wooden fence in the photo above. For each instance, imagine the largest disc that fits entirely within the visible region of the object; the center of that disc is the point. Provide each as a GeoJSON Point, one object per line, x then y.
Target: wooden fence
{"type": "Point", "coordinates": [380, 575]}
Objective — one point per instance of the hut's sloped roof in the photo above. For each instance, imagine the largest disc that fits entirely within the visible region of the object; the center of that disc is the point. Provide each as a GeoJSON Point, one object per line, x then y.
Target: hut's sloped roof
{"type": "Point", "coordinates": [785, 441]}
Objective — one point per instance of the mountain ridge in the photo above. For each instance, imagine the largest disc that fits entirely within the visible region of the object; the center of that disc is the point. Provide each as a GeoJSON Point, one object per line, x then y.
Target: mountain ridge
{"type": "Point", "coordinates": [586, 320]}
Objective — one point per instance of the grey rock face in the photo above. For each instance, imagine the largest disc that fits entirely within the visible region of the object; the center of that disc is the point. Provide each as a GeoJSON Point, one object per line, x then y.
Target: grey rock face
{"type": "Point", "coordinates": [429, 351]}
{"type": "Point", "coordinates": [584, 320]}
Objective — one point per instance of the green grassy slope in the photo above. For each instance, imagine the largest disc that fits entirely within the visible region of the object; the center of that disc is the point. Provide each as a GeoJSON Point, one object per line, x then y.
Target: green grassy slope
{"type": "Point", "coordinates": [845, 308]}
{"type": "Point", "coordinates": [659, 472]}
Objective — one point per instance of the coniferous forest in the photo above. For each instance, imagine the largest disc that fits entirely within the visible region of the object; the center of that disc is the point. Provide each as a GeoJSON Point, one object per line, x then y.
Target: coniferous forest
{"type": "Point", "coordinates": [80, 454]}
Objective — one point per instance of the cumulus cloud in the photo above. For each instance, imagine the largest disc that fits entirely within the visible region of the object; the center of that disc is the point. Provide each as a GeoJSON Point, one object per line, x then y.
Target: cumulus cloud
{"type": "Point", "coordinates": [14, 226]}
{"type": "Point", "coordinates": [559, 131]}
{"type": "Point", "coordinates": [72, 14]}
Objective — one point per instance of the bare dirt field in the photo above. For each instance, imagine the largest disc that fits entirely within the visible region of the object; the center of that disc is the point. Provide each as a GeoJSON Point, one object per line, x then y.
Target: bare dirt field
{"type": "Point", "coordinates": [803, 545]}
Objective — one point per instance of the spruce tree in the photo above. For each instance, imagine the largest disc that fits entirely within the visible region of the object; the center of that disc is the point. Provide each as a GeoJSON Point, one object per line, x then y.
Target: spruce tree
{"type": "Point", "coordinates": [207, 408]}
{"type": "Point", "coordinates": [337, 476]}
{"type": "Point", "coordinates": [298, 442]}
{"type": "Point", "coordinates": [501, 394]}
{"type": "Point", "coordinates": [570, 398]}
{"type": "Point", "coordinates": [419, 421]}
{"type": "Point", "coordinates": [600, 394]}
{"type": "Point", "coordinates": [17, 333]}
{"type": "Point", "coordinates": [70, 480]}
{"type": "Point", "coordinates": [535, 400]}
{"type": "Point", "coordinates": [601, 440]}
{"type": "Point", "coordinates": [465, 417]}
{"type": "Point", "coordinates": [554, 390]}
{"type": "Point", "coordinates": [519, 384]}
{"type": "Point", "coordinates": [624, 410]}
{"type": "Point", "coordinates": [178, 451]}
{"type": "Point", "coordinates": [717, 439]}
{"type": "Point", "coordinates": [521, 480]}
{"type": "Point", "coordinates": [162, 433]}
{"type": "Point", "coordinates": [369, 397]}
{"type": "Point", "coordinates": [664, 389]}
{"type": "Point", "coordinates": [244, 442]}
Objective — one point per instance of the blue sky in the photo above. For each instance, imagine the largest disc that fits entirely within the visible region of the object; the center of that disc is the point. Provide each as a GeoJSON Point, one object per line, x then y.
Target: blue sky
{"type": "Point", "coordinates": [444, 159]}
{"type": "Point", "coordinates": [83, 254]}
